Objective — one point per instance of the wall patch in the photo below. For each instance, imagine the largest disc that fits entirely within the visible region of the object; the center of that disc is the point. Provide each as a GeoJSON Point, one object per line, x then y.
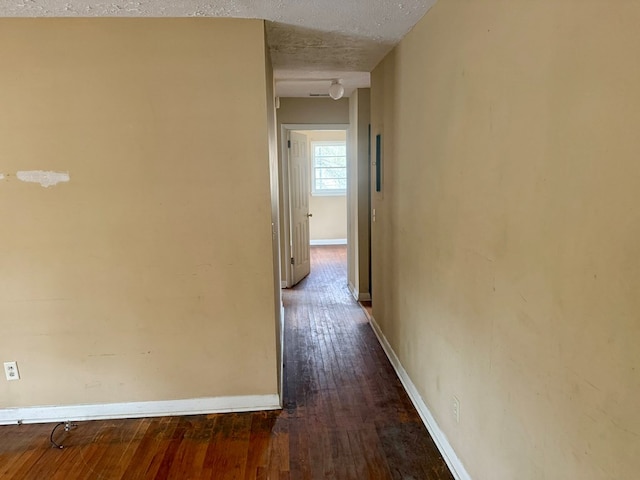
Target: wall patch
{"type": "Point", "coordinates": [45, 179]}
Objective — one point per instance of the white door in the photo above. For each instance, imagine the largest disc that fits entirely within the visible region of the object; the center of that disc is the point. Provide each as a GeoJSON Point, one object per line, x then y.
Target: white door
{"type": "Point", "coordinates": [299, 184]}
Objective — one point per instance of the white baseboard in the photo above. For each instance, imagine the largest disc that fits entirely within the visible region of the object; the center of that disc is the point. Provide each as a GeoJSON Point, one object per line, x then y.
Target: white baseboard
{"type": "Point", "coordinates": [360, 297]}
{"type": "Point", "coordinates": [281, 359]}
{"type": "Point", "coordinates": [354, 292]}
{"type": "Point", "coordinates": [330, 241]}
{"type": "Point", "coordinates": [449, 455]}
{"type": "Point", "coordinates": [108, 411]}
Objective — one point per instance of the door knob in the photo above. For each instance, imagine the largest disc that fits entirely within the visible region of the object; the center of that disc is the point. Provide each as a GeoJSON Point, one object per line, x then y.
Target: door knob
{"type": "Point", "coordinates": [309, 215]}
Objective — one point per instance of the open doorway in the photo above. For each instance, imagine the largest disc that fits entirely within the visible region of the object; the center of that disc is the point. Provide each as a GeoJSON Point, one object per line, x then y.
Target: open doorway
{"type": "Point", "coordinates": [316, 159]}
{"type": "Point", "coordinates": [328, 180]}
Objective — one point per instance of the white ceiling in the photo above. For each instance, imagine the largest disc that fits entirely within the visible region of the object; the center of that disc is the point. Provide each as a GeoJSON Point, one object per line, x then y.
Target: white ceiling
{"type": "Point", "coordinates": [311, 41]}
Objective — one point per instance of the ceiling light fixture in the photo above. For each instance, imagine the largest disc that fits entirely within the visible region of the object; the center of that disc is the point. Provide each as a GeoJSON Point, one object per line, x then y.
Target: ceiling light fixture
{"type": "Point", "coordinates": [336, 90]}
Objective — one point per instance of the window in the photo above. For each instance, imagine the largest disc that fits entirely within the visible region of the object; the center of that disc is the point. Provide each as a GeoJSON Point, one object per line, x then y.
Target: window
{"type": "Point", "coordinates": [329, 172]}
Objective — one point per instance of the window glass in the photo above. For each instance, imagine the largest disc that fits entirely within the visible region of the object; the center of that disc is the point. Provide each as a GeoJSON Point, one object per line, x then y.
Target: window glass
{"type": "Point", "coordinates": [329, 168]}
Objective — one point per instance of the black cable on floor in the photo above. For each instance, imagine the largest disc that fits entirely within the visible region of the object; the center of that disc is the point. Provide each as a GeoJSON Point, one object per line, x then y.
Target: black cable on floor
{"type": "Point", "coordinates": [67, 426]}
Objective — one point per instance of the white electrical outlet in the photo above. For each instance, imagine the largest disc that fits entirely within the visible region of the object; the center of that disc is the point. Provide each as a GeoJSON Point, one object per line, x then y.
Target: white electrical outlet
{"type": "Point", "coordinates": [11, 370]}
{"type": "Point", "coordinates": [455, 405]}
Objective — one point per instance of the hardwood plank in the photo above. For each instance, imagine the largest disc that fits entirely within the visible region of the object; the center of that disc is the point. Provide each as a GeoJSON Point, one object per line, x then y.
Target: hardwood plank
{"type": "Point", "coordinates": [346, 415]}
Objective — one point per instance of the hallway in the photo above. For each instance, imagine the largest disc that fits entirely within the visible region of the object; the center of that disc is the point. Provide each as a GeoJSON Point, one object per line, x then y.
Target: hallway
{"type": "Point", "coordinates": [345, 416]}
{"type": "Point", "coordinates": [351, 417]}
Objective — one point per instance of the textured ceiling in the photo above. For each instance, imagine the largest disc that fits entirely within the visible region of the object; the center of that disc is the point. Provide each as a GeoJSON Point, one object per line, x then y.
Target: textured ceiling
{"type": "Point", "coordinates": [311, 41]}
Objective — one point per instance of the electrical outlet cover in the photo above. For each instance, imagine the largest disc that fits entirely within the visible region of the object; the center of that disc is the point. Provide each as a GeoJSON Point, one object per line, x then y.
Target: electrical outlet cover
{"type": "Point", "coordinates": [11, 371]}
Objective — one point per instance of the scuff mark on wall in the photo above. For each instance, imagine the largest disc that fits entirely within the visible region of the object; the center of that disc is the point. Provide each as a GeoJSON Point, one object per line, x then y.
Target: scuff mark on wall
{"type": "Point", "coordinates": [45, 179]}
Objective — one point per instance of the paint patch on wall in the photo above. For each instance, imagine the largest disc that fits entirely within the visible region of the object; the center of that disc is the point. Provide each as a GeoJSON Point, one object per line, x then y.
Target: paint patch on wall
{"type": "Point", "coordinates": [45, 179]}
{"type": "Point", "coordinates": [1, 176]}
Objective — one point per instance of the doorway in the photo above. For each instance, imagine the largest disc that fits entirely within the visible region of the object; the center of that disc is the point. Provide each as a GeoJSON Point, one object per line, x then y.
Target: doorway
{"type": "Point", "coordinates": [316, 187]}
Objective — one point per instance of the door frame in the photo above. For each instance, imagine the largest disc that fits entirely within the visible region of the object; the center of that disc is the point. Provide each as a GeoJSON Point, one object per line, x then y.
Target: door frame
{"type": "Point", "coordinates": [285, 211]}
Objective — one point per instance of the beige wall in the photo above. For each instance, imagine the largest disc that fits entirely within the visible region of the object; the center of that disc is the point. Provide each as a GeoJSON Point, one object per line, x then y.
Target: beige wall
{"type": "Point", "coordinates": [506, 241]}
{"type": "Point", "coordinates": [313, 111]}
{"type": "Point", "coordinates": [329, 221]}
{"type": "Point", "coordinates": [300, 111]}
{"type": "Point", "coordinates": [275, 213]}
{"type": "Point", "coordinates": [149, 276]}
{"type": "Point", "coordinates": [359, 194]}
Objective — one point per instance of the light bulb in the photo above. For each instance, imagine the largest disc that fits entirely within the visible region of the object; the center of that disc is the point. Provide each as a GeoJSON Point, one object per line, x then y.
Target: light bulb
{"type": "Point", "coordinates": [336, 90]}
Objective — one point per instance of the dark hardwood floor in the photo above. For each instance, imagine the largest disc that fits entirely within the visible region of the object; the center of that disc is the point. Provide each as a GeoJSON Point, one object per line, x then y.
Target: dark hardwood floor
{"type": "Point", "coordinates": [345, 414]}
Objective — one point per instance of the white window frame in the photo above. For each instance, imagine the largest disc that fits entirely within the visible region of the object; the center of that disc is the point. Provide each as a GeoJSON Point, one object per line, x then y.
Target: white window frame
{"type": "Point", "coordinates": [321, 192]}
